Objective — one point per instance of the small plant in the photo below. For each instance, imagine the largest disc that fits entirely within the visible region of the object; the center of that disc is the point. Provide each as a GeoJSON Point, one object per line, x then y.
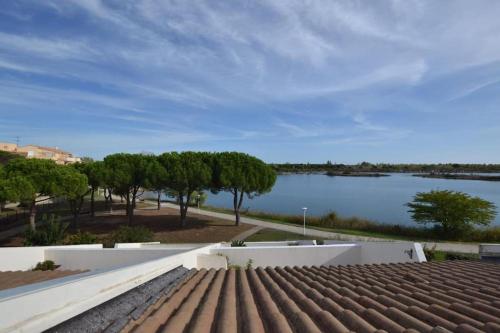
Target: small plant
{"type": "Point", "coordinates": [249, 263]}
{"type": "Point", "coordinates": [47, 265]}
{"type": "Point", "coordinates": [461, 256]}
{"type": "Point", "coordinates": [81, 238]}
{"type": "Point", "coordinates": [430, 253]}
{"type": "Point", "coordinates": [238, 243]}
{"type": "Point", "coordinates": [126, 234]}
{"type": "Point", "coordinates": [52, 233]}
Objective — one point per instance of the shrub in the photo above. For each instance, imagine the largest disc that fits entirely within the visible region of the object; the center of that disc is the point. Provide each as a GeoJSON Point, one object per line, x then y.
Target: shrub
{"type": "Point", "coordinates": [238, 243]}
{"type": "Point", "coordinates": [51, 233]}
{"type": "Point", "coordinates": [137, 234]}
{"type": "Point", "coordinates": [249, 264]}
{"type": "Point", "coordinates": [430, 253]}
{"type": "Point", "coordinates": [47, 265]}
{"type": "Point", "coordinates": [81, 238]}
{"type": "Point", "coordinates": [461, 256]}
{"type": "Point", "coordinates": [455, 213]}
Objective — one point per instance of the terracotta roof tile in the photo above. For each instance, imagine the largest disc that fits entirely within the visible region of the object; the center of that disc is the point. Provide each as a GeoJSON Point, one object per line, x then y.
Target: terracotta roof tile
{"type": "Point", "coordinates": [452, 296]}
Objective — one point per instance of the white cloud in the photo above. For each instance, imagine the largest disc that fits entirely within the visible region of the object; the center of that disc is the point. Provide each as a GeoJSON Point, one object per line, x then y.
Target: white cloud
{"type": "Point", "coordinates": [245, 68]}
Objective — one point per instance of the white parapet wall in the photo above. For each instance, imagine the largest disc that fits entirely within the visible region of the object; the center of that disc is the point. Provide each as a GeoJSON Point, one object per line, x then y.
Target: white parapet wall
{"type": "Point", "coordinates": [333, 254]}
{"type": "Point", "coordinates": [391, 252]}
{"type": "Point", "coordinates": [26, 258]}
{"type": "Point", "coordinates": [490, 252]}
{"type": "Point", "coordinates": [105, 258]}
{"type": "Point", "coordinates": [290, 255]}
{"type": "Point", "coordinates": [37, 307]}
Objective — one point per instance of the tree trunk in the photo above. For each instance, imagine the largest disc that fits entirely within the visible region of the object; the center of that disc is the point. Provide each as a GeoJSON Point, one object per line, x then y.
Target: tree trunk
{"type": "Point", "coordinates": [134, 199]}
{"type": "Point", "coordinates": [237, 205]}
{"type": "Point", "coordinates": [158, 200]}
{"type": "Point", "coordinates": [184, 205]}
{"type": "Point", "coordinates": [105, 193]}
{"type": "Point", "coordinates": [92, 208]}
{"type": "Point", "coordinates": [128, 208]}
{"type": "Point", "coordinates": [110, 196]}
{"type": "Point", "coordinates": [33, 215]}
{"type": "Point", "coordinates": [78, 209]}
{"type": "Point", "coordinates": [181, 207]}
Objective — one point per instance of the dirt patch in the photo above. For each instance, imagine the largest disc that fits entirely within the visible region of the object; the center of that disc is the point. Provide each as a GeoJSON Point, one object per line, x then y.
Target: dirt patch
{"type": "Point", "coordinates": [164, 223]}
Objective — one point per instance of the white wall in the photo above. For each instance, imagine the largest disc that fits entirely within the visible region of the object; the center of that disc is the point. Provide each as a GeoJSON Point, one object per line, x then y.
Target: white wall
{"type": "Point", "coordinates": [277, 243]}
{"type": "Point", "coordinates": [104, 258]}
{"type": "Point", "coordinates": [333, 254]}
{"type": "Point", "coordinates": [291, 255]}
{"type": "Point", "coordinates": [26, 258]}
{"type": "Point", "coordinates": [391, 252]}
{"type": "Point", "coordinates": [25, 309]}
{"type": "Point", "coordinates": [133, 245]}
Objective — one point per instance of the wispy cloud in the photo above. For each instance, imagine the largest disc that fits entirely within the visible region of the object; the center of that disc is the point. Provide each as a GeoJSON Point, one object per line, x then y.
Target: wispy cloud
{"type": "Point", "coordinates": [344, 72]}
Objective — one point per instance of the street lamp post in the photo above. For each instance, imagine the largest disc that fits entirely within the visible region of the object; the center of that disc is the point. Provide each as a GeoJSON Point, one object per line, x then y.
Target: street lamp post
{"type": "Point", "coordinates": [304, 209]}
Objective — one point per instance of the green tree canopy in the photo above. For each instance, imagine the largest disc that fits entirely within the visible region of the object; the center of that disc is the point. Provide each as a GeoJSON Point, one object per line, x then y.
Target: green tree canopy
{"type": "Point", "coordinates": [128, 173]}
{"type": "Point", "coordinates": [6, 156]}
{"type": "Point", "coordinates": [96, 175]}
{"type": "Point", "coordinates": [73, 186]}
{"type": "Point", "coordinates": [39, 174]}
{"type": "Point", "coordinates": [15, 189]}
{"type": "Point", "coordinates": [241, 174]}
{"type": "Point", "coordinates": [157, 179]}
{"type": "Point", "coordinates": [454, 213]}
{"type": "Point", "coordinates": [187, 172]}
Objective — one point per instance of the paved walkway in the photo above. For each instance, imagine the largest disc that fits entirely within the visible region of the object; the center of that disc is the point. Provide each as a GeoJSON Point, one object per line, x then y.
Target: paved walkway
{"type": "Point", "coordinates": [248, 233]}
{"type": "Point", "coordinates": [443, 246]}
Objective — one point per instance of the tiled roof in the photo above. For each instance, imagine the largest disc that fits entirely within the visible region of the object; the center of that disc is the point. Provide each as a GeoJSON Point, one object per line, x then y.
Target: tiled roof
{"type": "Point", "coordinates": [113, 315]}
{"type": "Point", "coordinates": [456, 296]}
{"type": "Point", "coordinates": [51, 149]}
{"type": "Point", "coordinates": [13, 279]}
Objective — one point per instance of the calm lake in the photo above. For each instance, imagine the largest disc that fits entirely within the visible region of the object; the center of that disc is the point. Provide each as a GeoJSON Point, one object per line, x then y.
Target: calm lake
{"type": "Point", "coordinates": [380, 199]}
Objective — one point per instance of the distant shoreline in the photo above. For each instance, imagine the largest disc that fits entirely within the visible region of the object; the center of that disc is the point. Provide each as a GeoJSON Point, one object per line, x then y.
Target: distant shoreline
{"type": "Point", "coordinates": [458, 176]}
{"type": "Point", "coordinates": [356, 174]}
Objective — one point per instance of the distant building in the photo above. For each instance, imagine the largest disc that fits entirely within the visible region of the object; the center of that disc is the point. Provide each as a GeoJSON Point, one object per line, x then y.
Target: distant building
{"type": "Point", "coordinates": [33, 151]}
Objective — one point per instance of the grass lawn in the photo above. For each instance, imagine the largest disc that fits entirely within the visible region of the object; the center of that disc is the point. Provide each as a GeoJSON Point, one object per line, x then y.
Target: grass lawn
{"type": "Point", "coordinates": [258, 216]}
{"type": "Point", "coordinates": [270, 235]}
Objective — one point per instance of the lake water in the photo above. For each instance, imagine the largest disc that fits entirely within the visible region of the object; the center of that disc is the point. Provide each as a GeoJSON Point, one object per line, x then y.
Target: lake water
{"type": "Point", "coordinates": [380, 199]}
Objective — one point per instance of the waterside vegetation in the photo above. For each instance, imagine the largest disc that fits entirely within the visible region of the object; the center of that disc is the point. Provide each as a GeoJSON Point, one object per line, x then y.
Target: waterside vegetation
{"type": "Point", "coordinates": [355, 174]}
{"type": "Point", "coordinates": [459, 176]}
{"type": "Point", "coordinates": [363, 227]}
{"type": "Point", "coordinates": [362, 167]}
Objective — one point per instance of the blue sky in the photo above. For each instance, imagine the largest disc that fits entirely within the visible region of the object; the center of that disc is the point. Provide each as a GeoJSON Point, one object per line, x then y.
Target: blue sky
{"type": "Point", "coordinates": [299, 81]}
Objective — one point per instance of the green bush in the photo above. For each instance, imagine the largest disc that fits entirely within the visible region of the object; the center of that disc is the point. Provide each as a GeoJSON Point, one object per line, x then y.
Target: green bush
{"type": "Point", "coordinates": [461, 256]}
{"type": "Point", "coordinates": [81, 238]}
{"type": "Point", "coordinates": [51, 233]}
{"type": "Point", "coordinates": [430, 253]}
{"type": "Point", "coordinates": [238, 243]}
{"type": "Point", "coordinates": [47, 265]}
{"type": "Point", "coordinates": [249, 264]}
{"type": "Point", "coordinates": [126, 234]}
